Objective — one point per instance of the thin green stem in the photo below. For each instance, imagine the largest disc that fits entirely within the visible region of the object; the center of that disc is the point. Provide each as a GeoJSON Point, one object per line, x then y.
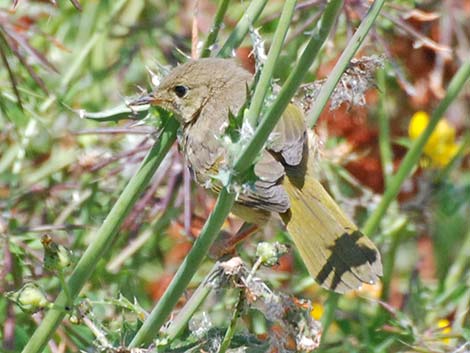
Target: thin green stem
{"type": "Point", "coordinates": [329, 315]}
{"type": "Point", "coordinates": [414, 153]}
{"type": "Point", "coordinates": [11, 75]}
{"type": "Point", "coordinates": [239, 32]}
{"type": "Point", "coordinates": [65, 288]}
{"type": "Point", "coordinates": [233, 324]}
{"type": "Point", "coordinates": [76, 335]}
{"type": "Point", "coordinates": [460, 265]}
{"type": "Point", "coordinates": [291, 85]}
{"type": "Point", "coordinates": [255, 268]}
{"type": "Point", "coordinates": [104, 236]}
{"type": "Point", "coordinates": [384, 130]}
{"type": "Point", "coordinates": [226, 199]}
{"type": "Point", "coordinates": [389, 259]}
{"type": "Point", "coordinates": [463, 308]}
{"type": "Point", "coordinates": [344, 60]}
{"type": "Point", "coordinates": [188, 310]}
{"type": "Point", "coordinates": [266, 76]}
{"type": "Point", "coordinates": [85, 51]}
{"type": "Point", "coordinates": [214, 31]}
{"type": "Point", "coordinates": [76, 64]}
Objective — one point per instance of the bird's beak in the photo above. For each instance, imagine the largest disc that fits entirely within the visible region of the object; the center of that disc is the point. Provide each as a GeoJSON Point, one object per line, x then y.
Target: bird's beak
{"type": "Point", "coordinates": [150, 98]}
{"type": "Point", "coordinates": [153, 98]}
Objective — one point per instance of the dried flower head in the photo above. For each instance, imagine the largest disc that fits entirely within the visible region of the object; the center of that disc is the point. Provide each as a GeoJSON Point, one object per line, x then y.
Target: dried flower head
{"type": "Point", "coordinates": [351, 89]}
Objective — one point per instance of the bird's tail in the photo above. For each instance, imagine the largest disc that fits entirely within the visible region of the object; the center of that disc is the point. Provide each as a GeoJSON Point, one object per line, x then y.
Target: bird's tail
{"type": "Point", "coordinates": [334, 251]}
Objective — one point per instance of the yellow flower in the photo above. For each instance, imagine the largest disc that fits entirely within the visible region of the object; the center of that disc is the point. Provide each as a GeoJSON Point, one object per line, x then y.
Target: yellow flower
{"type": "Point", "coordinates": [444, 327]}
{"type": "Point", "coordinates": [317, 311]}
{"type": "Point", "coordinates": [441, 146]}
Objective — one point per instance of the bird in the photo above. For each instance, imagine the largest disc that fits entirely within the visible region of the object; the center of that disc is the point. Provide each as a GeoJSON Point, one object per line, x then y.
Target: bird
{"type": "Point", "coordinates": [203, 94]}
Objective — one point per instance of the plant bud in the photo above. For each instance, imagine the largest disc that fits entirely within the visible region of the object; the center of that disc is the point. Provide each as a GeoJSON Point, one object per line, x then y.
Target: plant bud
{"type": "Point", "coordinates": [30, 298]}
{"type": "Point", "coordinates": [56, 257]}
{"type": "Point", "coordinates": [270, 253]}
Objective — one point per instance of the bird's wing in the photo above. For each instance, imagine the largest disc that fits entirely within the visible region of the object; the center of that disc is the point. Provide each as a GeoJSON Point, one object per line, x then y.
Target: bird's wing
{"type": "Point", "coordinates": [285, 147]}
{"type": "Point", "coordinates": [267, 193]}
{"type": "Point", "coordinates": [289, 136]}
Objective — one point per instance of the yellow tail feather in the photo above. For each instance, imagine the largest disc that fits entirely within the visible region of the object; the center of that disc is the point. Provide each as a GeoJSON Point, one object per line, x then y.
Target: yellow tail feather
{"type": "Point", "coordinates": [334, 251]}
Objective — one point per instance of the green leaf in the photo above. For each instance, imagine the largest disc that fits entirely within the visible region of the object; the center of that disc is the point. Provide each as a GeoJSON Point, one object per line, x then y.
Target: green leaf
{"type": "Point", "coordinates": [121, 112]}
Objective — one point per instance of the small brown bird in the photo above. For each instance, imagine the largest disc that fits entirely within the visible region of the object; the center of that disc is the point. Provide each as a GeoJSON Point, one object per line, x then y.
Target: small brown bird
{"type": "Point", "coordinates": [202, 93]}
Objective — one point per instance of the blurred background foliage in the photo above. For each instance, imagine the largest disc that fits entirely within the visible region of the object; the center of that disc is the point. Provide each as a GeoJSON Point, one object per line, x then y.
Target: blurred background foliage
{"type": "Point", "coordinates": [60, 174]}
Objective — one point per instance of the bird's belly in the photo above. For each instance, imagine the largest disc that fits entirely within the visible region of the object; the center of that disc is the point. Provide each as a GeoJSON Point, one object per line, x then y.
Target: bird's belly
{"type": "Point", "coordinates": [251, 215]}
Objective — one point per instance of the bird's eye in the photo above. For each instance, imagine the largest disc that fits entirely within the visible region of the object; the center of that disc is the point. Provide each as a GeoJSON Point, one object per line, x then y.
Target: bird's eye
{"type": "Point", "coordinates": [180, 91]}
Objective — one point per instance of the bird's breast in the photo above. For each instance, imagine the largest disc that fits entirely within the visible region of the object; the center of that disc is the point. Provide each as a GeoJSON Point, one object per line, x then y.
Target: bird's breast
{"type": "Point", "coordinates": [202, 148]}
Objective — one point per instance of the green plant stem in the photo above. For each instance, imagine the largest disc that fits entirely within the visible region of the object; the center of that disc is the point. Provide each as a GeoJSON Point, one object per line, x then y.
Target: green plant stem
{"type": "Point", "coordinates": [265, 78]}
{"type": "Point", "coordinates": [343, 61]}
{"type": "Point", "coordinates": [199, 295]}
{"type": "Point", "coordinates": [11, 75]}
{"type": "Point", "coordinates": [155, 229]}
{"type": "Point", "coordinates": [104, 236]}
{"type": "Point", "coordinates": [85, 51]}
{"type": "Point", "coordinates": [239, 32]}
{"type": "Point", "coordinates": [460, 265]}
{"type": "Point", "coordinates": [233, 323]}
{"type": "Point", "coordinates": [389, 259]}
{"type": "Point", "coordinates": [214, 31]}
{"type": "Point", "coordinates": [225, 200]}
{"type": "Point", "coordinates": [291, 85]}
{"type": "Point", "coordinates": [187, 269]}
{"type": "Point", "coordinates": [386, 155]}
{"type": "Point", "coordinates": [65, 288]}
{"type": "Point", "coordinates": [329, 314]}
{"type": "Point", "coordinates": [463, 308]}
{"type": "Point", "coordinates": [9, 156]}
{"type": "Point", "coordinates": [99, 334]}
{"type": "Point", "coordinates": [414, 153]}
{"type": "Point", "coordinates": [75, 335]}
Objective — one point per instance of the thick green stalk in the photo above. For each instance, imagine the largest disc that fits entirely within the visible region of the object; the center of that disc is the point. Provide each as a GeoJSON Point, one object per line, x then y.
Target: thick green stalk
{"type": "Point", "coordinates": [344, 60]}
{"type": "Point", "coordinates": [239, 32]}
{"type": "Point", "coordinates": [291, 85]}
{"type": "Point", "coordinates": [268, 68]}
{"type": "Point", "coordinates": [225, 200]}
{"type": "Point", "coordinates": [214, 31]}
{"type": "Point", "coordinates": [187, 270]}
{"type": "Point", "coordinates": [104, 237]}
{"type": "Point", "coordinates": [414, 154]}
